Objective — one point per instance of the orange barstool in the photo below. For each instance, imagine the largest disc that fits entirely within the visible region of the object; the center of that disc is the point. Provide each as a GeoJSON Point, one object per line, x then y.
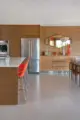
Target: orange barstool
{"type": "Point", "coordinates": [21, 72]}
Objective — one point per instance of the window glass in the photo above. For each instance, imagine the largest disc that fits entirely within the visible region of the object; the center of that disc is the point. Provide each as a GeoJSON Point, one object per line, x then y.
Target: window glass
{"type": "Point", "coordinates": [51, 43]}
{"type": "Point", "coordinates": [58, 43]}
{"type": "Point", "coordinates": [68, 42]}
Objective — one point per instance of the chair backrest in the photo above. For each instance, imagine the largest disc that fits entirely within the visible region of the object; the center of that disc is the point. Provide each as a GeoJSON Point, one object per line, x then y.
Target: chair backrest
{"type": "Point", "coordinates": [27, 62]}
{"type": "Point", "coordinates": [78, 69]}
{"type": "Point", "coordinates": [74, 67]}
{"type": "Point", "coordinates": [70, 65]}
{"type": "Point", "coordinates": [22, 68]}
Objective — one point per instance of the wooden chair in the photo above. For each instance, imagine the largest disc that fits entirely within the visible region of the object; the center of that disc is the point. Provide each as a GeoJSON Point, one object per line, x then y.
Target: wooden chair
{"type": "Point", "coordinates": [78, 74]}
{"type": "Point", "coordinates": [74, 72]}
{"type": "Point", "coordinates": [70, 69]}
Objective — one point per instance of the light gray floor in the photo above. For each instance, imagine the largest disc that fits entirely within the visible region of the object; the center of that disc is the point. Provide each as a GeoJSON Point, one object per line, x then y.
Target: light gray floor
{"type": "Point", "coordinates": [48, 98]}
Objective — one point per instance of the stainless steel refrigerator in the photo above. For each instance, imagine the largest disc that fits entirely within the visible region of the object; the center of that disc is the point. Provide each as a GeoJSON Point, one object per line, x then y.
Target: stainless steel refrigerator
{"type": "Point", "coordinates": [30, 47]}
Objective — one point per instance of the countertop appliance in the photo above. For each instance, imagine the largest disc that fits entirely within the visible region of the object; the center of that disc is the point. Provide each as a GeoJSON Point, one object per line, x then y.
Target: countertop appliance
{"type": "Point", "coordinates": [4, 48]}
{"type": "Point", "coordinates": [30, 47]}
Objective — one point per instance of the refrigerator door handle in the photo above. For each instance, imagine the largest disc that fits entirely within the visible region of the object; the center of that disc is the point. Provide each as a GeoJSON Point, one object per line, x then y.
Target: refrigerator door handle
{"type": "Point", "coordinates": [29, 48]}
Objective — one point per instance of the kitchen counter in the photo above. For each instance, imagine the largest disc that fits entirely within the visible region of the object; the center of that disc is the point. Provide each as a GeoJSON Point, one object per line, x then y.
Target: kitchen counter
{"type": "Point", "coordinates": [9, 82]}
{"type": "Point", "coordinates": [11, 61]}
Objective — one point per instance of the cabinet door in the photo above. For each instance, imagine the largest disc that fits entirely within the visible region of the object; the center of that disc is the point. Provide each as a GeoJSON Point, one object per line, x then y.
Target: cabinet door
{"type": "Point", "coordinates": [60, 65]}
{"type": "Point", "coordinates": [45, 64]}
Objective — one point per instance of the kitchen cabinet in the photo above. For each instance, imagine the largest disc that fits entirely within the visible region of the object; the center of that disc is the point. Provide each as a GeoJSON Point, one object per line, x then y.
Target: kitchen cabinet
{"type": "Point", "coordinates": [45, 63]}
{"type": "Point", "coordinates": [10, 94]}
{"type": "Point", "coordinates": [50, 63]}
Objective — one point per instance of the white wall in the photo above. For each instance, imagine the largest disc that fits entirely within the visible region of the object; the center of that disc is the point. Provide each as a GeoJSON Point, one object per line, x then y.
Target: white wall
{"type": "Point", "coordinates": [51, 12]}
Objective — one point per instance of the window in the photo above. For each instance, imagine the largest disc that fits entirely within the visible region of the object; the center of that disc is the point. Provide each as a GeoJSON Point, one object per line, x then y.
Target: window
{"type": "Point", "coordinates": [51, 43]}
{"type": "Point", "coordinates": [60, 43]}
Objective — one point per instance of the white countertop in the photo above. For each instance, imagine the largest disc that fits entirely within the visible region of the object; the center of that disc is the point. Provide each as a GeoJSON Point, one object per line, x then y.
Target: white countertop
{"type": "Point", "coordinates": [11, 61]}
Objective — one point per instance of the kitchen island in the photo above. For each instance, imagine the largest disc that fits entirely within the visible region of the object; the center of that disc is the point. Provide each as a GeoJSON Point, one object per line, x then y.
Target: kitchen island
{"type": "Point", "coordinates": [9, 80]}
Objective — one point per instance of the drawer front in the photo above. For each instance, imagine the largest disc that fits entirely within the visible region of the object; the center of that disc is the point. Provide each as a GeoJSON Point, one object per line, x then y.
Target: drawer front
{"type": "Point", "coordinates": [45, 65]}
{"type": "Point", "coordinates": [60, 68]}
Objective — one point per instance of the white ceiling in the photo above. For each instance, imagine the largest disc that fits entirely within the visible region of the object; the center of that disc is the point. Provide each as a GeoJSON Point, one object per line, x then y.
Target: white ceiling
{"type": "Point", "coordinates": [54, 2]}
{"type": "Point", "coordinates": [56, 12]}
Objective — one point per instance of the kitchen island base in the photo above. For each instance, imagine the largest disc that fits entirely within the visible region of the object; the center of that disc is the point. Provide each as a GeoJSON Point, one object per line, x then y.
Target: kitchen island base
{"type": "Point", "coordinates": [8, 86]}
{"type": "Point", "coordinates": [9, 82]}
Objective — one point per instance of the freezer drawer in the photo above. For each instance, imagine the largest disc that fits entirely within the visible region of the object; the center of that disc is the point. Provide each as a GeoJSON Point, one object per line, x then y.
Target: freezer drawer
{"type": "Point", "coordinates": [33, 66]}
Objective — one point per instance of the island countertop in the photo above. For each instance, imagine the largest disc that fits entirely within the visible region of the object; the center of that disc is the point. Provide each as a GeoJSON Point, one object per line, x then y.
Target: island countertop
{"type": "Point", "coordinates": [10, 82]}
{"type": "Point", "coordinates": [11, 61]}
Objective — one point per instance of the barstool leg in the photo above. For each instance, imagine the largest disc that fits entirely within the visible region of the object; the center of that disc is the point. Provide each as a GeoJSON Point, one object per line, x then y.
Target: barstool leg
{"type": "Point", "coordinates": [24, 89]}
{"type": "Point", "coordinates": [70, 74]}
{"type": "Point", "coordinates": [75, 78]}
{"type": "Point", "coordinates": [24, 82]}
{"type": "Point", "coordinates": [79, 80]}
{"type": "Point", "coordinates": [22, 86]}
{"type": "Point", "coordinates": [26, 79]}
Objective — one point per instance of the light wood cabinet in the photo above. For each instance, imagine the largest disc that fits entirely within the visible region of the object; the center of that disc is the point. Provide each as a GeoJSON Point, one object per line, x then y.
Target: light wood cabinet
{"type": "Point", "coordinates": [48, 63]}
{"type": "Point", "coordinates": [45, 63]}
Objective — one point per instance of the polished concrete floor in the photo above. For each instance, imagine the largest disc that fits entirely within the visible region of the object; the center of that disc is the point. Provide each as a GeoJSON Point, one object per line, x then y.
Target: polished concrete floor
{"type": "Point", "coordinates": [49, 97]}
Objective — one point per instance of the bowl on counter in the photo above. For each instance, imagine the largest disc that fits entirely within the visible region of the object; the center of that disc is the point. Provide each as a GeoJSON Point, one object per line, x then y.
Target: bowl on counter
{"type": "Point", "coordinates": [54, 53]}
